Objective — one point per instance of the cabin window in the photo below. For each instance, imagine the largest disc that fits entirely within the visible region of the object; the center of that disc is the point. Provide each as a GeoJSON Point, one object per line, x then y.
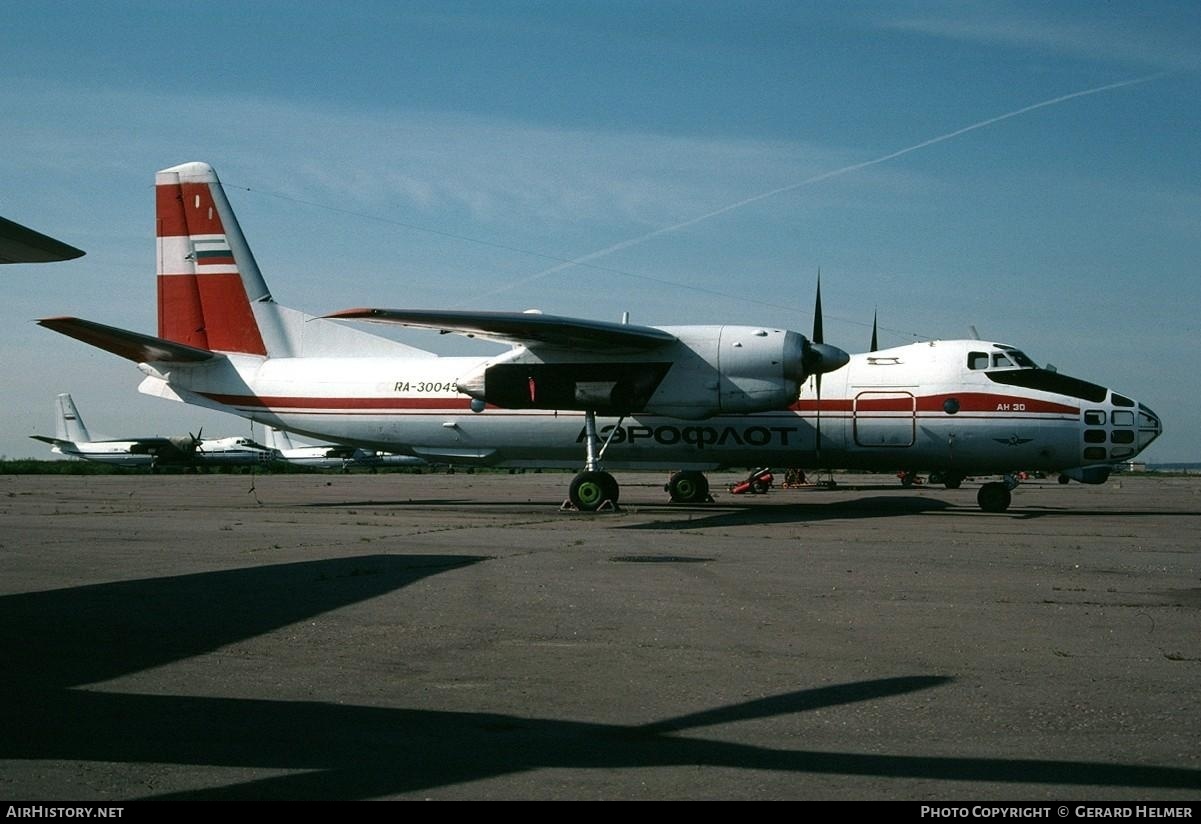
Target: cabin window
{"type": "Point", "coordinates": [1094, 436]}
{"type": "Point", "coordinates": [1123, 436]}
{"type": "Point", "coordinates": [977, 360]}
{"type": "Point", "coordinates": [1121, 400]}
{"type": "Point", "coordinates": [1094, 417]}
{"type": "Point", "coordinates": [999, 360]}
{"type": "Point", "coordinates": [1121, 417]}
{"type": "Point", "coordinates": [1094, 453]}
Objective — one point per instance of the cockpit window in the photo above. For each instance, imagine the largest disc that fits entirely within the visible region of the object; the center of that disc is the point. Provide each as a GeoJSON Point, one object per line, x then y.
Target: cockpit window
{"type": "Point", "coordinates": [1021, 359]}
{"type": "Point", "coordinates": [1006, 359]}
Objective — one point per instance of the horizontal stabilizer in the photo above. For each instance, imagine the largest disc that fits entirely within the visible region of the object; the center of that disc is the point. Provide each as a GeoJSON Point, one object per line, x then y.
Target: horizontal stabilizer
{"type": "Point", "coordinates": [134, 346]}
{"type": "Point", "coordinates": [51, 441]}
{"type": "Point", "coordinates": [527, 328]}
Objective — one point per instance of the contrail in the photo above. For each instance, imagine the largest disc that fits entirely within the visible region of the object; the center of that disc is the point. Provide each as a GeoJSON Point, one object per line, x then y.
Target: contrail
{"type": "Point", "coordinates": [854, 167]}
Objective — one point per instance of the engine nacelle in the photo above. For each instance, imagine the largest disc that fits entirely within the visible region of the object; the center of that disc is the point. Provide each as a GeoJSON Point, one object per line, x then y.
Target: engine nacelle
{"type": "Point", "coordinates": [759, 370]}
{"type": "Point", "coordinates": [706, 371]}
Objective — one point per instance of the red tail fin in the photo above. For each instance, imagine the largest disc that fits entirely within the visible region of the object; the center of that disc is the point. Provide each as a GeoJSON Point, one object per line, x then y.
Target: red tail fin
{"type": "Point", "coordinates": [207, 276]}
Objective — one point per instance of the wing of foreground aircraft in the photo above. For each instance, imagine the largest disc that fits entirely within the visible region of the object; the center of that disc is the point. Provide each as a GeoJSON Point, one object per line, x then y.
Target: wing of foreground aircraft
{"type": "Point", "coordinates": [20, 244]}
{"type": "Point", "coordinates": [522, 328]}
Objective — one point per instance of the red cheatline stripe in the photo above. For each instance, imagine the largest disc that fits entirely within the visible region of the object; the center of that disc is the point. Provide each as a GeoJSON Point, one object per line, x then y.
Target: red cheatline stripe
{"type": "Point", "coordinates": [282, 402]}
{"type": "Point", "coordinates": [827, 405]}
{"type": "Point", "coordinates": [350, 404]}
{"type": "Point", "coordinates": [968, 402]}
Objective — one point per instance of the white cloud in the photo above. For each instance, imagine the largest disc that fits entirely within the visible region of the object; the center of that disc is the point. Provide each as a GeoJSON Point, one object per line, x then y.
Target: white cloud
{"type": "Point", "coordinates": [1157, 44]}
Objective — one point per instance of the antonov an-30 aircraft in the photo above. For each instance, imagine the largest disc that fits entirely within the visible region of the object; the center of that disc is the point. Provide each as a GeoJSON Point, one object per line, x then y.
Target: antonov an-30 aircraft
{"type": "Point", "coordinates": [74, 441]}
{"type": "Point", "coordinates": [688, 398]}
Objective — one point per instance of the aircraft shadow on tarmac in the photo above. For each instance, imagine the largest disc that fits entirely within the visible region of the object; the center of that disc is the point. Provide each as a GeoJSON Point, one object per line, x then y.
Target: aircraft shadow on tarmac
{"type": "Point", "coordinates": [738, 514]}
{"type": "Point", "coordinates": [760, 511]}
{"type": "Point", "coordinates": [58, 640]}
{"type": "Point", "coordinates": [783, 508]}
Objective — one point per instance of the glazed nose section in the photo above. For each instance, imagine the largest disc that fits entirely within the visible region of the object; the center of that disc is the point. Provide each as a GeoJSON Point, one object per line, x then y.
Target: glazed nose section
{"type": "Point", "coordinates": [1149, 427]}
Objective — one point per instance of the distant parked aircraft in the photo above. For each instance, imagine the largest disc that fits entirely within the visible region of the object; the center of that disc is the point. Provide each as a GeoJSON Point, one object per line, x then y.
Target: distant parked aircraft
{"type": "Point", "coordinates": [332, 456]}
{"type": "Point", "coordinates": [74, 441]}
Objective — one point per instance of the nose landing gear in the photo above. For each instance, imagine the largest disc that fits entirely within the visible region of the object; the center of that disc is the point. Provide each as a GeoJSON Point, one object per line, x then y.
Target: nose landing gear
{"type": "Point", "coordinates": [996, 496]}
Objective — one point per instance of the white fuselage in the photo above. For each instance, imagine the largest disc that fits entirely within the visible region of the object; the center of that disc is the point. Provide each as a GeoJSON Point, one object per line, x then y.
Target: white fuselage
{"type": "Point", "coordinates": [116, 453]}
{"type": "Point", "coordinates": [223, 452]}
{"type": "Point", "coordinates": [923, 406]}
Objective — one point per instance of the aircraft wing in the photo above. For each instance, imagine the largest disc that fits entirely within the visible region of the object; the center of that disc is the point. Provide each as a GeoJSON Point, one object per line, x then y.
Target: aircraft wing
{"type": "Point", "coordinates": [164, 447]}
{"type": "Point", "coordinates": [526, 328]}
{"type": "Point", "coordinates": [20, 244]}
{"type": "Point", "coordinates": [159, 447]}
{"type": "Point", "coordinates": [134, 346]}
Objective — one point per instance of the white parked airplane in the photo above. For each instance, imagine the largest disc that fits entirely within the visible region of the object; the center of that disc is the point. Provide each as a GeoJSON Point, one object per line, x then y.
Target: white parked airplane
{"type": "Point", "coordinates": [690, 398]}
{"type": "Point", "coordinates": [332, 456]}
{"type": "Point", "coordinates": [72, 440]}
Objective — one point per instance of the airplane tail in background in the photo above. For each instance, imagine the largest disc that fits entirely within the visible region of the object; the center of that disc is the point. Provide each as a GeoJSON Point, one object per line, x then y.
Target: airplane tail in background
{"type": "Point", "coordinates": [207, 275]}
{"type": "Point", "coordinates": [279, 439]}
{"type": "Point", "coordinates": [68, 425]}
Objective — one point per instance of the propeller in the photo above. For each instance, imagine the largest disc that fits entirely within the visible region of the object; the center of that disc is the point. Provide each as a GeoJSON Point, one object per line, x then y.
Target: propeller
{"type": "Point", "coordinates": [186, 445]}
{"type": "Point", "coordinates": [875, 341]}
{"type": "Point", "coordinates": [818, 340]}
{"type": "Point", "coordinates": [819, 357]}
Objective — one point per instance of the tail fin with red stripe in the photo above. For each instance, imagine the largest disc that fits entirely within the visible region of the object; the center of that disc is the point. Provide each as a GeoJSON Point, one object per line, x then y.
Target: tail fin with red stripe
{"type": "Point", "coordinates": [211, 294]}
{"type": "Point", "coordinates": [207, 276]}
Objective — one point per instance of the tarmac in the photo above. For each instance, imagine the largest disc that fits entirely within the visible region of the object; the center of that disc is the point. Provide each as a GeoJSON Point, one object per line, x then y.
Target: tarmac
{"type": "Point", "coordinates": [458, 637]}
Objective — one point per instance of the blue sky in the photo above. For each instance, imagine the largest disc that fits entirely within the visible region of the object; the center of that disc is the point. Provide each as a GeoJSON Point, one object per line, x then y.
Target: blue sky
{"type": "Point", "coordinates": [446, 154]}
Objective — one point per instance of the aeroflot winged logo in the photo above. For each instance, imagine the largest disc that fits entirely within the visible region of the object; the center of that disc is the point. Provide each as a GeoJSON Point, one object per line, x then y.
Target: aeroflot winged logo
{"type": "Point", "coordinates": [1013, 440]}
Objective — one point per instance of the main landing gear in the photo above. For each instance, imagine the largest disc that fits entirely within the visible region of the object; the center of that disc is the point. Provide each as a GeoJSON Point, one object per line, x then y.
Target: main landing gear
{"type": "Point", "coordinates": [593, 489]}
{"type": "Point", "coordinates": [996, 495]}
{"type": "Point", "coordinates": [688, 487]}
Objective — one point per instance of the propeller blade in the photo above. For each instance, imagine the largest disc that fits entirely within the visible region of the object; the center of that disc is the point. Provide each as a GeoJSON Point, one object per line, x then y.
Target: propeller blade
{"type": "Point", "coordinates": [817, 312]}
{"type": "Point", "coordinates": [875, 342]}
{"type": "Point", "coordinates": [820, 357]}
